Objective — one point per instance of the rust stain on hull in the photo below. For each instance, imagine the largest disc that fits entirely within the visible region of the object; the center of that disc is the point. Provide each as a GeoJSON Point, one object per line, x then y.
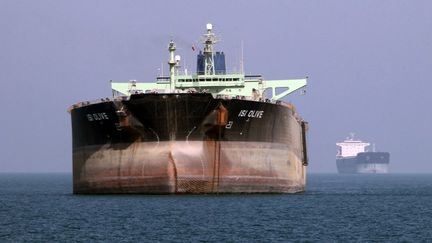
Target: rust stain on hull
{"type": "Point", "coordinates": [189, 167]}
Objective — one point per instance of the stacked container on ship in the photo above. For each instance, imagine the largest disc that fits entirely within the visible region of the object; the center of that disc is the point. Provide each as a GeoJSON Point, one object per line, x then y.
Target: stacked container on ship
{"type": "Point", "coordinates": [211, 132]}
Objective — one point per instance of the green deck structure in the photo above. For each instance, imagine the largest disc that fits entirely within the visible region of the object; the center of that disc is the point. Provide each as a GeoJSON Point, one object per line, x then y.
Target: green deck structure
{"type": "Point", "coordinates": [231, 85]}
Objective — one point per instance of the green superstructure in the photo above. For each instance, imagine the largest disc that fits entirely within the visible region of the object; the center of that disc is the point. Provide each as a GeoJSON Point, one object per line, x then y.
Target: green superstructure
{"type": "Point", "coordinates": [231, 85]}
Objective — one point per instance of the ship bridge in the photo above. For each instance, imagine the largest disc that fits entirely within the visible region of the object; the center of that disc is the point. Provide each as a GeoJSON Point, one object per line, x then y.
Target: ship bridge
{"type": "Point", "coordinates": [351, 147]}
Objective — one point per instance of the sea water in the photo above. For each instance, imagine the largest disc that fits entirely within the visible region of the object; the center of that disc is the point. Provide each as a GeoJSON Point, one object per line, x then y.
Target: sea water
{"type": "Point", "coordinates": [335, 208]}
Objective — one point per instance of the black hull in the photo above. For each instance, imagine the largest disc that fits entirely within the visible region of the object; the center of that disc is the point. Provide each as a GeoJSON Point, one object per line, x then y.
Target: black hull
{"type": "Point", "coordinates": [364, 163]}
{"type": "Point", "coordinates": [184, 143]}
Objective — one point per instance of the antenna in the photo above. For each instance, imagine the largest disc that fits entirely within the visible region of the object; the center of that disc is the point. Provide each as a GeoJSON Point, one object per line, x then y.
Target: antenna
{"type": "Point", "coordinates": [241, 59]}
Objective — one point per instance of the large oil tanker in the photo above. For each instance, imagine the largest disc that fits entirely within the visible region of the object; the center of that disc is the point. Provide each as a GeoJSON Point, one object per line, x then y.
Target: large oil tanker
{"type": "Point", "coordinates": [210, 132]}
{"type": "Point", "coordinates": [352, 158]}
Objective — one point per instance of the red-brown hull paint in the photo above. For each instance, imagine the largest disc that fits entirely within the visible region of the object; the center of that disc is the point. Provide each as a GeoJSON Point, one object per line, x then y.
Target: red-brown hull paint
{"type": "Point", "coordinates": [176, 167]}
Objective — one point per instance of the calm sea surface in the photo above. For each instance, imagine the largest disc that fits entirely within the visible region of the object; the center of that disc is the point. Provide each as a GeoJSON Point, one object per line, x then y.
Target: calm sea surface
{"type": "Point", "coordinates": [378, 208]}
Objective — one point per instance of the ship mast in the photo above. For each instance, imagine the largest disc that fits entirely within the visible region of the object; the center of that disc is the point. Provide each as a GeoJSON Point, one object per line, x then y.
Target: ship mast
{"type": "Point", "coordinates": [172, 63]}
{"type": "Point", "coordinates": [209, 40]}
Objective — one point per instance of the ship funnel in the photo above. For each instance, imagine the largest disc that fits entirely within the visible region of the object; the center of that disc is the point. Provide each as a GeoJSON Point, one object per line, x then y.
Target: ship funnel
{"type": "Point", "coordinates": [219, 63]}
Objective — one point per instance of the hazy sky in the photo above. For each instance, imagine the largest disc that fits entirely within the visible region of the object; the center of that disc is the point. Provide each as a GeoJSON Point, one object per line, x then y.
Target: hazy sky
{"type": "Point", "coordinates": [369, 65]}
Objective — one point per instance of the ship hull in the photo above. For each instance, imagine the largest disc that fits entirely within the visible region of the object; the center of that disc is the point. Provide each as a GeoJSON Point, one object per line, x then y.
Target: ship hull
{"type": "Point", "coordinates": [187, 143]}
{"type": "Point", "coordinates": [364, 163]}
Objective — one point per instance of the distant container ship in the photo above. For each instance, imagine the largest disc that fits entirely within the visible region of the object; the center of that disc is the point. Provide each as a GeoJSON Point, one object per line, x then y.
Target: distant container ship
{"type": "Point", "coordinates": [209, 132]}
{"type": "Point", "coordinates": [353, 158]}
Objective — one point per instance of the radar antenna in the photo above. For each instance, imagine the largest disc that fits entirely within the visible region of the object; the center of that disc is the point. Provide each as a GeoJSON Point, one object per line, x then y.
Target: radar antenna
{"type": "Point", "coordinates": [242, 59]}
